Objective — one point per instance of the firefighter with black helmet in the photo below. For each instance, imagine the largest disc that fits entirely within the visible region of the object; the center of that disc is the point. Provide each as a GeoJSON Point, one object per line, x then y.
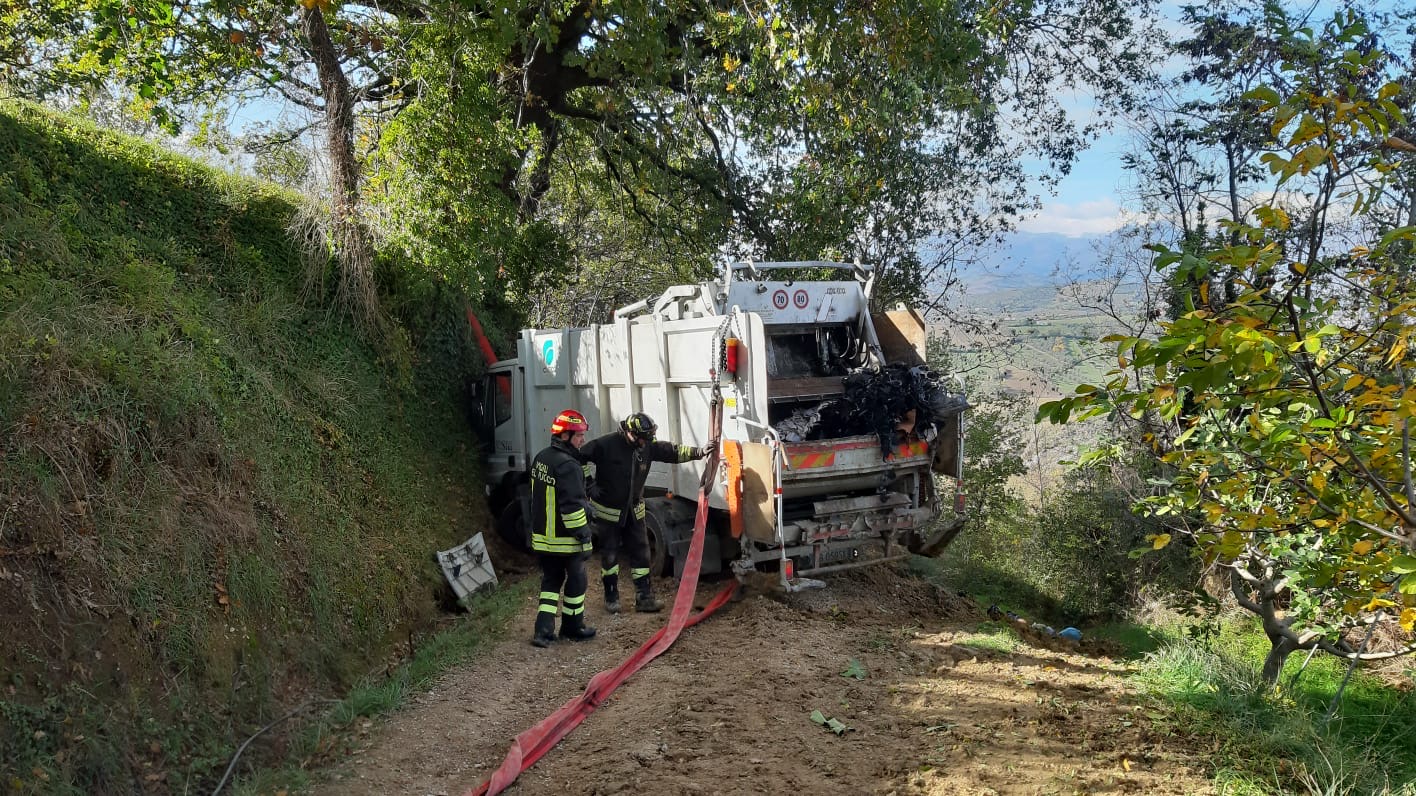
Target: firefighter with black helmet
{"type": "Point", "coordinates": [622, 461]}
{"type": "Point", "coordinates": [561, 531]}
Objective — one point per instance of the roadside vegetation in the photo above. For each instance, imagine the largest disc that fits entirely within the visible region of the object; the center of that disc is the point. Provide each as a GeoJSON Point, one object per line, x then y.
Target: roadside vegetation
{"type": "Point", "coordinates": [216, 500]}
{"type": "Point", "coordinates": [1301, 737]}
{"type": "Point", "coordinates": [1242, 521]}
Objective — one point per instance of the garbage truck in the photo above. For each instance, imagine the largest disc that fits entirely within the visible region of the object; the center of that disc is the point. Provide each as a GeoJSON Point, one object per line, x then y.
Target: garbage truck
{"type": "Point", "coordinates": [826, 465]}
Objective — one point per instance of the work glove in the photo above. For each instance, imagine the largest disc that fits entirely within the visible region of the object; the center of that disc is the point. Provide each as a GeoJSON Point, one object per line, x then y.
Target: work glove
{"type": "Point", "coordinates": [585, 533]}
{"type": "Point", "coordinates": [595, 491]}
{"type": "Point", "coordinates": [707, 450]}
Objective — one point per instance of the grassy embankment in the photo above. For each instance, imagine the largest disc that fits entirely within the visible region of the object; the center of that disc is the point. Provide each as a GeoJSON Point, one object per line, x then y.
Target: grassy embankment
{"type": "Point", "coordinates": [216, 500]}
{"type": "Point", "coordinates": [1283, 740]}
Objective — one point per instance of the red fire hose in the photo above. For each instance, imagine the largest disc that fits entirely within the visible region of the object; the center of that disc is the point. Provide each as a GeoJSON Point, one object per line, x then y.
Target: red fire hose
{"type": "Point", "coordinates": [532, 744]}
{"type": "Point", "coordinates": [482, 342]}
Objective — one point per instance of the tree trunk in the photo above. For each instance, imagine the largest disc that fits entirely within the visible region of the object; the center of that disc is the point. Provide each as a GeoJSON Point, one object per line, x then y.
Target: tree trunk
{"type": "Point", "coordinates": [1281, 648]}
{"type": "Point", "coordinates": [356, 291]}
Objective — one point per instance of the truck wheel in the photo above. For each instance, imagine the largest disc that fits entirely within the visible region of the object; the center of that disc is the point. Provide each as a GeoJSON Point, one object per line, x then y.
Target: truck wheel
{"type": "Point", "coordinates": [502, 495]}
{"type": "Point", "coordinates": [660, 563]}
{"type": "Point", "coordinates": [512, 527]}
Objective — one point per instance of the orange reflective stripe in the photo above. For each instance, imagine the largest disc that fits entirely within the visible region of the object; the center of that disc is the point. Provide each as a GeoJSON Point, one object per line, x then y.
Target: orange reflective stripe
{"type": "Point", "coordinates": [916, 448]}
{"type": "Point", "coordinates": [806, 461]}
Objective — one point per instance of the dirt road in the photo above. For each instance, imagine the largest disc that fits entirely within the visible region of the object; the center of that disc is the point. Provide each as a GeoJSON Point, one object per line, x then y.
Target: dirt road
{"type": "Point", "coordinates": [930, 707]}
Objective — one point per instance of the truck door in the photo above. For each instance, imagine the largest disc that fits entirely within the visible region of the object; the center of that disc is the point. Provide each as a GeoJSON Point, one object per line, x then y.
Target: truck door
{"type": "Point", "coordinates": [501, 424]}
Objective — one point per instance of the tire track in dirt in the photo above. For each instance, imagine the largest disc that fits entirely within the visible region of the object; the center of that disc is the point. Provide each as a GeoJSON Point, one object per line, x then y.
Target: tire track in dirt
{"type": "Point", "coordinates": [726, 709]}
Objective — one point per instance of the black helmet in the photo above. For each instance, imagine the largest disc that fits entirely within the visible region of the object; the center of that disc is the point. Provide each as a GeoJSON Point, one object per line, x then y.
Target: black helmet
{"type": "Point", "coordinates": [640, 426]}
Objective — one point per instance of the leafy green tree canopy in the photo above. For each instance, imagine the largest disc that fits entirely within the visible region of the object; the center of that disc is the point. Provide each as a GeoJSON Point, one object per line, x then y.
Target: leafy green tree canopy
{"type": "Point", "coordinates": [1283, 414]}
{"type": "Point", "coordinates": [775, 130]}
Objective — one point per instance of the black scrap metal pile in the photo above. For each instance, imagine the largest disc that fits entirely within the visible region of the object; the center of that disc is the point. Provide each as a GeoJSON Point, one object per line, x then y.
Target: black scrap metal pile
{"type": "Point", "coordinates": [876, 402]}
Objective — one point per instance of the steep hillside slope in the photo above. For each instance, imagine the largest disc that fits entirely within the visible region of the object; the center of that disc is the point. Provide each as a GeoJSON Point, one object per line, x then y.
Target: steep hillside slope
{"type": "Point", "coordinates": [215, 501]}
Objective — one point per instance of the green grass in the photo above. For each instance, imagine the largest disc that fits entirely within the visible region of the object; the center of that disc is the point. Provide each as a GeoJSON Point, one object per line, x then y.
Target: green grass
{"type": "Point", "coordinates": [226, 496]}
{"type": "Point", "coordinates": [1010, 590]}
{"type": "Point", "coordinates": [1277, 741]}
{"type": "Point", "coordinates": [993, 637]}
{"type": "Point", "coordinates": [1134, 639]}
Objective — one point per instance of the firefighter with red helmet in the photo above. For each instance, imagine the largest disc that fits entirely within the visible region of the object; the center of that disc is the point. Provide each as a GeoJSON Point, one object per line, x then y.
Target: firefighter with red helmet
{"type": "Point", "coordinates": [622, 461]}
{"type": "Point", "coordinates": [561, 531]}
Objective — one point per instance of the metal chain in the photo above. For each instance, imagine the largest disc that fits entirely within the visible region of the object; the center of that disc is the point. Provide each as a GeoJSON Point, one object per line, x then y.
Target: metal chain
{"type": "Point", "coordinates": [721, 360]}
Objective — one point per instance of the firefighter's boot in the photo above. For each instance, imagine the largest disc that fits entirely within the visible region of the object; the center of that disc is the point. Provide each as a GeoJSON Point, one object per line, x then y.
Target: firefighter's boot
{"type": "Point", "coordinates": [612, 593]}
{"type": "Point", "coordinates": [545, 634]}
{"type": "Point", "coordinates": [644, 600]}
{"type": "Point", "coordinates": [573, 628]}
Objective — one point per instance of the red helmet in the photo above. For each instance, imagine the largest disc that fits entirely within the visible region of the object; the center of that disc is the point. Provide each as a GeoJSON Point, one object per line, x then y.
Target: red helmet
{"type": "Point", "coordinates": [569, 420]}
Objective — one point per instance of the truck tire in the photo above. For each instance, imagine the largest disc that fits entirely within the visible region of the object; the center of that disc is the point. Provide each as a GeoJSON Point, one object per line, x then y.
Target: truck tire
{"type": "Point", "coordinates": [501, 496]}
{"type": "Point", "coordinates": [658, 528]}
{"type": "Point", "coordinates": [513, 528]}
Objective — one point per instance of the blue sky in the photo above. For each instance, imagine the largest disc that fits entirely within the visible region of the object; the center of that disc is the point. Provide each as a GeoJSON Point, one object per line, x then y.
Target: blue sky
{"type": "Point", "coordinates": [1090, 200]}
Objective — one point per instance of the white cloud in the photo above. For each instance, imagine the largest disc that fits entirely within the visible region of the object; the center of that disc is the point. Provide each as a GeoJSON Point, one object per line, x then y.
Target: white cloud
{"type": "Point", "coordinates": [1096, 217]}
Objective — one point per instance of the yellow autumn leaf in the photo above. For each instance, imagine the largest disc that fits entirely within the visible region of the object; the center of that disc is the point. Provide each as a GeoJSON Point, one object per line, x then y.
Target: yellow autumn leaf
{"type": "Point", "coordinates": [1408, 619]}
{"type": "Point", "coordinates": [1160, 540]}
{"type": "Point", "coordinates": [729, 62]}
{"type": "Point", "coordinates": [1353, 381]}
{"type": "Point", "coordinates": [1318, 480]}
{"type": "Point", "coordinates": [1398, 349]}
{"type": "Point", "coordinates": [1126, 764]}
{"type": "Point", "coordinates": [1377, 603]}
{"type": "Point", "coordinates": [1363, 547]}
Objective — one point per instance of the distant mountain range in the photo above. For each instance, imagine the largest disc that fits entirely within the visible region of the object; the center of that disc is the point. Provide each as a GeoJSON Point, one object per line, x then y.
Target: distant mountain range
{"type": "Point", "coordinates": [1033, 259]}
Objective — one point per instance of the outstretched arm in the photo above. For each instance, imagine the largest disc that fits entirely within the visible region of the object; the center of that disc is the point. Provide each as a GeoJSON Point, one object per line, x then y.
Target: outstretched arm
{"type": "Point", "coordinates": [661, 451]}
